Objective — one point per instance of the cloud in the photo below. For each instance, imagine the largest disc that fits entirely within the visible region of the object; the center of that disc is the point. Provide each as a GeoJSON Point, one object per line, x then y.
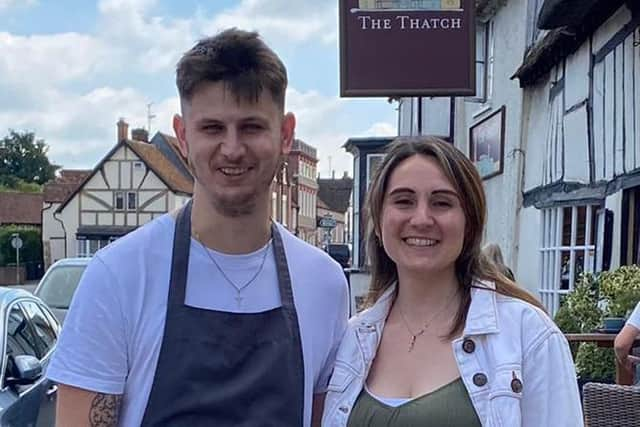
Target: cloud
{"type": "Point", "coordinates": [79, 129]}
{"type": "Point", "coordinates": [59, 57]}
{"type": "Point", "coordinates": [148, 43]}
{"type": "Point", "coordinates": [5, 5]}
{"type": "Point", "coordinates": [71, 88]}
{"type": "Point", "coordinates": [326, 123]}
{"type": "Point", "coordinates": [382, 129]}
{"type": "Point", "coordinates": [280, 21]}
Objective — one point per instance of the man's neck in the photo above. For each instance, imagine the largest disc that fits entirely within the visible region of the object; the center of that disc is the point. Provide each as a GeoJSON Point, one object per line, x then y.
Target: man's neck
{"type": "Point", "coordinates": [232, 235]}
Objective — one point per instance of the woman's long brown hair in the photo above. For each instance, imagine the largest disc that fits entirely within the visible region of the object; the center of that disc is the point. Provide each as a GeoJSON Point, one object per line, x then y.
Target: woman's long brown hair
{"type": "Point", "coordinates": [470, 264]}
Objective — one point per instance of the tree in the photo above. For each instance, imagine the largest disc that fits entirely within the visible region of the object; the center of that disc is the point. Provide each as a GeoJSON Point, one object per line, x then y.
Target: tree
{"type": "Point", "coordinates": [23, 159]}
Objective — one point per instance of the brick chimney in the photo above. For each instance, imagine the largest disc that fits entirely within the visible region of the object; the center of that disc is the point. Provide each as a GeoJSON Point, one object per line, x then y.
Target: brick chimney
{"type": "Point", "coordinates": [140, 134]}
{"type": "Point", "coordinates": [123, 130]}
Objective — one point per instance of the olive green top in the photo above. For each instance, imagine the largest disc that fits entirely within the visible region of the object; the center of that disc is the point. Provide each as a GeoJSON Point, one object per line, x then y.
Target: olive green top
{"type": "Point", "coordinates": [448, 406]}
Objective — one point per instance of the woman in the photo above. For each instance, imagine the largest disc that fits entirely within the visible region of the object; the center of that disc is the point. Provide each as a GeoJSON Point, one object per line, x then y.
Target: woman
{"type": "Point", "coordinates": [494, 254]}
{"type": "Point", "coordinates": [449, 341]}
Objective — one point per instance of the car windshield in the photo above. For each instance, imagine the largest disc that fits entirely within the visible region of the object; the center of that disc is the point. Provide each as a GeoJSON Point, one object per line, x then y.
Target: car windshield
{"type": "Point", "coordinates": [59, 285]}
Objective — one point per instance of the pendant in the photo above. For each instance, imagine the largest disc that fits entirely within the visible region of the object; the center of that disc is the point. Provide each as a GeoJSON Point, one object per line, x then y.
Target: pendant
{"type": "Point", "coordinates": [238, 299]}
{"type": "Point", "coordinates": [412, 343]}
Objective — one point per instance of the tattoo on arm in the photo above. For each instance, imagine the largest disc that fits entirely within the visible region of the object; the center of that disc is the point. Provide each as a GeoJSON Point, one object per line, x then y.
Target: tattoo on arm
{"type": "Point", "coordinates": [105, 409]}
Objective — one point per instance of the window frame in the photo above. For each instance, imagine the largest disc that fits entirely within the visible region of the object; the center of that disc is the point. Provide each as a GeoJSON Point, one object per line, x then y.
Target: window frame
{"type": "Point", "coordinates": [129, 199]}
{"type": "Point", "coordinates": [5, 343]}
{"type": "Point", "coordinates": [45, 352]}
{"type": "Point", "coordinates": [485, 59]}
{"type": "Point", "coordinates": [118, 196]}
{"type": "Point", "coordinates": [552, 249]}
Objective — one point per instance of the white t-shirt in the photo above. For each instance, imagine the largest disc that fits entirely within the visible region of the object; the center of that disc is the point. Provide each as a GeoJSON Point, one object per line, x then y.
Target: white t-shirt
{"type": "Point", "coordinates": [111, 337]}
{"type": "Point", "coordinates": [634, 318]}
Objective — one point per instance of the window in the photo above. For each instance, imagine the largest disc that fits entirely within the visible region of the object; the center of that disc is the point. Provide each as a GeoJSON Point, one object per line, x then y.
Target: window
{"type": "Point", "coordinates": [630, 248]}
{"type": "Point", "coordinates": [132, 201]}
{"type": "Point", "coordinates": [373, 161]}
{"type": "Point", "coordinates": [138, 165]}
{"type": "Point", "coordinates": [284, 210]}
{"type": "Point", "coordinates": [274, 205]}
{"type": "Point", "coordinates": [119, 200]}
{"type": "Point", "coordinates": [20, 339]}
{"type": "Point", "coordinates": [45, 333]}
{"type": "Point", "coordinates": [88, 247]}
{"type": "Point", "coordinates": [568, 249]}
{"type": "Point", "coordinates": [484, 61]}
{"type": "Point", "coordinates": [533, 32]}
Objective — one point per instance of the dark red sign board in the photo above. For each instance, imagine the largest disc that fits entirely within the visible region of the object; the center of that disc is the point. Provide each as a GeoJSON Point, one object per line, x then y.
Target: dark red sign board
{"type": "Point", "coordinates": [394, 48]}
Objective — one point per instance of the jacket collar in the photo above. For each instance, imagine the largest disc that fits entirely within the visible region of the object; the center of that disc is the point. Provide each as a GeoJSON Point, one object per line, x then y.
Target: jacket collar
{"type": "Point", "coordinates": [482, 317]}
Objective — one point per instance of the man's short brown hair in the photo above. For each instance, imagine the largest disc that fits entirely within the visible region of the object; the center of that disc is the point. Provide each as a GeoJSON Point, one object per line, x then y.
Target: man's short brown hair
{"type": "Point", "coordinates": [238, 58]}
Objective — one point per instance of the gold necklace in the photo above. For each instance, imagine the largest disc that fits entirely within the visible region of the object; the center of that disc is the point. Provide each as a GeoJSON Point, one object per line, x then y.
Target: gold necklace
{"type": "Point", "coordinates": [414, 336]}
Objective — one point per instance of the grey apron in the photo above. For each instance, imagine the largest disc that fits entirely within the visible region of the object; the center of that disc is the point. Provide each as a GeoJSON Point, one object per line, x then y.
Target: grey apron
{"type": "Point", "coordinates": [226, 369]}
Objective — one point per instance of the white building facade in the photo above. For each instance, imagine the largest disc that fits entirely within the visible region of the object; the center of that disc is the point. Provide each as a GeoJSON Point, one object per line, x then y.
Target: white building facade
{"type": "Point", "coordinates": [566, 198]}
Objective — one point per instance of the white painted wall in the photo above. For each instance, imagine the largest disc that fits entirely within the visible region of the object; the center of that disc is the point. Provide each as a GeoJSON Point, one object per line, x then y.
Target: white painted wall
{"type": "Point", "coordinates": [53, 249]}
{"type": "Point", "coordinates": [528, 259]}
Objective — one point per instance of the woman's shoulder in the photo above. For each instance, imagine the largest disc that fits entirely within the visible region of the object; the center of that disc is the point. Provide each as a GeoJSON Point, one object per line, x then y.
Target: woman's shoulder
{"type": "Point", "coordinates": [532, 322]}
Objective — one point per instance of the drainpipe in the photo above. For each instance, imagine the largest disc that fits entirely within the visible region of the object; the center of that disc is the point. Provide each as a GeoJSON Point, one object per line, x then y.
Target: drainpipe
{"type": "Point", "coordinates": [64, 230]}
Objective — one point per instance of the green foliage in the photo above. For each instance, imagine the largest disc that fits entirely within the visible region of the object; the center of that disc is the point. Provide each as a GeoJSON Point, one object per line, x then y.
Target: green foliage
{"type": "Point", "coordinates": [620, 290]}
{"type": "Point", "coordinates": [611, 294]}
{"type": "Point", "coordinates": [31, 250]}
{"type": "Point", "coordinates": [24, 158]}
{"type": "Point", "coordinates": [22, 187]}
{"type": "Point", "coordinates": [579, 312]}
{"type": "Point", "coordinates": [596, 363]}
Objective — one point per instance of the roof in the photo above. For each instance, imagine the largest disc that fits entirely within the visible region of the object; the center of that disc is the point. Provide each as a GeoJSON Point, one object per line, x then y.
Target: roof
{"type": "Point", "coordinates": [561, 42]}
{"type": "Point", "coordinates": [154, 160]}
{"type": "Point", "coordinates": [353, 145]}
{"type": "Point", "coordinates": [335, 193]}
{"type": "Point", "coordinates": [168, 145]}
{"type": "Point", "coordinates": [322, 205]}
{"type": "Point", "coordinates": [163, 167]}
{"type": "Point", "coordinates": [67, 182]}
{"type": "Point", "coordinates": [560, 13]}
{"type": "Point", "coordinates": [21, 208]}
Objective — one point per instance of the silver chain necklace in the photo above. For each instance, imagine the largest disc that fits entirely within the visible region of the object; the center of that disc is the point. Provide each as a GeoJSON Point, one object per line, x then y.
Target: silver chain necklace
{"type": "Point", "coordinates": [237, 288]}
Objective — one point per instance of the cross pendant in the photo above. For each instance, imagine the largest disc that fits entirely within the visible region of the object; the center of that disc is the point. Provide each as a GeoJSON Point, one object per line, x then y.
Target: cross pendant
{"type": "Point", "coordinates": [412, 343]}
{"type": "Point", "coordinates": [238, 299]}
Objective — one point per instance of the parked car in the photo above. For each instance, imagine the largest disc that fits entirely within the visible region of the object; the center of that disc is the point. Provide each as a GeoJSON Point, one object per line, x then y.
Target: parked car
{"type": "Point", "coordinates": [341, 253]}
{"type": "Point", "coordinates": [57, 286]}
{"type": "Point", "coordinates": [29, 335]}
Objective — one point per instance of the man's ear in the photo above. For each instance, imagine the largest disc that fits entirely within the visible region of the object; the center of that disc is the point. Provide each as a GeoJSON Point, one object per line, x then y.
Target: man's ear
{"type": "Point", "coordinates": [288, 132]}
{"type": "Point", "coordinates": [180, 130]}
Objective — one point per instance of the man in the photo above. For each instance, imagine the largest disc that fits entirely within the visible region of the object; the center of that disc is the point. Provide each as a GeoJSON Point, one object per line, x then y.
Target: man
{"type": "Point", "coordinates": [213, 315]}
{"type": "Point", "coordinates": [625, 339]}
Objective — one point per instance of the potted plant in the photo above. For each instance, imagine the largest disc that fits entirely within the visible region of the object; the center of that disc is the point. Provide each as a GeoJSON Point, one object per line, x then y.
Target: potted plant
{"type": "Point", "coordinates": [619, 293]}
{"type": "Point", "coordinates": [581, 313]}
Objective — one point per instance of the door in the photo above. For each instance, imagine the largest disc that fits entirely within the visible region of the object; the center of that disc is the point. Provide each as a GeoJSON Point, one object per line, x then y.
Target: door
{"type": "Point", "coordinates": [46, 334]}
{"type": "Point", "coordinates": [21, 402]}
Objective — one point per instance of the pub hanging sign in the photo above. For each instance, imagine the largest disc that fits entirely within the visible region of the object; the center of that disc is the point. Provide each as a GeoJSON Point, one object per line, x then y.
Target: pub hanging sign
{"type": "Point", "coordinates": [391, 48]}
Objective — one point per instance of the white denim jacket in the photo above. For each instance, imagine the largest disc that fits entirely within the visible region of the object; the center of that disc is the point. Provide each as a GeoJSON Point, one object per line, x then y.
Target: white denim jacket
{"type": "Point", "coordinates": [513, 360]}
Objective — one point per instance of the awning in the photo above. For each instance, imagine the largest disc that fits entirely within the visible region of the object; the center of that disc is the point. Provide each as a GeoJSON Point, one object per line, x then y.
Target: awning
{"type": "Point", "coordinates": [562, 13]}
{"type": "Point", "coordinates": [102, 232]}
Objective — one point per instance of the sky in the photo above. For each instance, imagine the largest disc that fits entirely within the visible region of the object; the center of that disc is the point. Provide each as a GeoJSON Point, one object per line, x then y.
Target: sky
{"type": "Point", "coordinates": [69, 69]}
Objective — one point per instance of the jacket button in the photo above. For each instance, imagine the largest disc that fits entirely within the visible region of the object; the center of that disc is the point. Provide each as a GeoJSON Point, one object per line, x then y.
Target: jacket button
{"type": "Point", "coordinates": [480, 379]}
{"type": "Point", "coordinates": [468, 346]}
{"type": "Point", "coordinates": [344, 409]}
{"type": "Point", "coordinates": [516, 385]}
